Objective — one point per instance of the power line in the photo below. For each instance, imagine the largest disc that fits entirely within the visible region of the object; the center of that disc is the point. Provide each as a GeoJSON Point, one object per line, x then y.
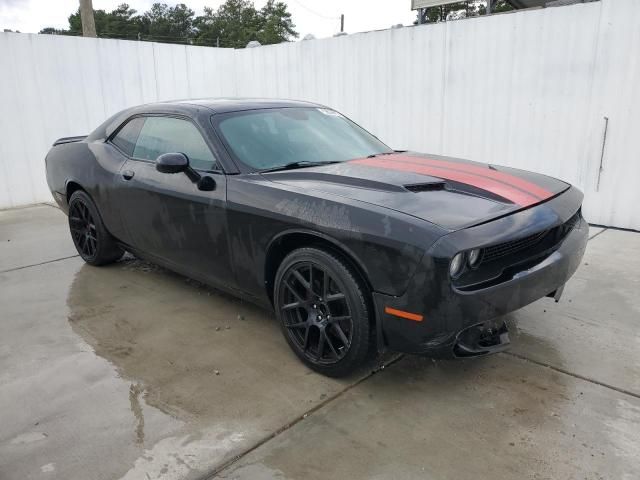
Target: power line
{"type": "Point", "coordinates": [314, 12]}
{"type": "Point", "coordinates": [203, 41]}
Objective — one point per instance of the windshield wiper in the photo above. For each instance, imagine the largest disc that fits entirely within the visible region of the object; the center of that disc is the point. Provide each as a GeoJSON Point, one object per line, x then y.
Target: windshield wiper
{"type": "Point", "coordinates": [373, 155]}
{"type": "Point", "coordinates": [293, 165]}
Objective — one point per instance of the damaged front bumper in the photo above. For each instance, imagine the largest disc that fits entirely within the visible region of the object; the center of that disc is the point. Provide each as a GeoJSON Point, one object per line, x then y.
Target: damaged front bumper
{"type": "Point", "coordinates": [462, 323]}
{"type": "Point", "coordinates": [481, 339]}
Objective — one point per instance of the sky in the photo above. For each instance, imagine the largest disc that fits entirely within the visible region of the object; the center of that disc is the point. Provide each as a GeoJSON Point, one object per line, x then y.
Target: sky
{"type": "Point", "coordinates": [318, 17]}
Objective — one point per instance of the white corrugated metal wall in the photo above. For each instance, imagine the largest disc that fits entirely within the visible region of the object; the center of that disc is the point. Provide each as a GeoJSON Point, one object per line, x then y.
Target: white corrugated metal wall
{"type": "Point", "coordinates": [528, 89]}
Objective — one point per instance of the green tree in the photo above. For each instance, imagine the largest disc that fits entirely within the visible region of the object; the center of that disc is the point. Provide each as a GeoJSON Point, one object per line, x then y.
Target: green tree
{"type": "Point", "coordinates": [502, 6]}
{"type": "Point", "coordinates": [208, 28]}
{"type": "Point", "coordinates": [119, 23]}
{"type": "Point", "coordinates": [466, 9]}
{"type": "Point", "coordinates": [235, 23]}
{"type": "Point", "coordinates": [53, 31]}
{"type": "Point", "coordinates": [168, 24]}
{"type": "Point", "coordinates": [75, 23]}
{"type": "Point", "coordinates": [122, 22]}
{"type": "Point", "coordinates": [276, 24]}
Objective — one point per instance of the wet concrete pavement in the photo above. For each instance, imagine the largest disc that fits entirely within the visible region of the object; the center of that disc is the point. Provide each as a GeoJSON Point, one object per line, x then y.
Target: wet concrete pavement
{"type": "Point", "coordinates": [21, 241]}
{"type": "Point", "coordinates": [499, 418]}
{"type": "Point", "coordinates": [595, 329]}
{"type": "Point", "coordinates": [130, 371]}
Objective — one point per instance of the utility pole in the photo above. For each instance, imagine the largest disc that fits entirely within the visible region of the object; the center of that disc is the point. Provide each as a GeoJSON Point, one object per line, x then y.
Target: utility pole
{"type": "Point", "coordinates": [88, 22]}
{"type": "Point", "coordinates": [342, 22]}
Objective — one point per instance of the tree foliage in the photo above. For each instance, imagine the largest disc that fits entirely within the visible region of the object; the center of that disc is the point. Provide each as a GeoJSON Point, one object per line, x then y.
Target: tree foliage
{"type": "Point", "coordinates": [276, 23]}
{"type": "Point", "coordinates": [465, 9]}
{"type": "Point", "coordinates": [234, 24]}
{"type": "Point", "coordinates": [164, 23]}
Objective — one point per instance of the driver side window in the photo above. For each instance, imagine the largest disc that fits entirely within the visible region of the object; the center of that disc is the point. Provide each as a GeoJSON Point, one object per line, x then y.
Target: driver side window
{"type": "Point", "coordinates": [161, 135]}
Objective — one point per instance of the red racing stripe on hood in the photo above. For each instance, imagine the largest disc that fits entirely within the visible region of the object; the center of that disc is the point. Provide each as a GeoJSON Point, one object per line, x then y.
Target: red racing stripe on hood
{"type": "Point", "coordinates": [496, 187]}
{"type": "Point", "coordinates": [512, 180]}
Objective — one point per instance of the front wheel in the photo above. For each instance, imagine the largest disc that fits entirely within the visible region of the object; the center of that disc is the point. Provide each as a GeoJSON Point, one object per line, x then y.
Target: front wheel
{"type": "Point", "coordinates": [93, 242]}
{"type": "Point", "coordinates": [322, 309]}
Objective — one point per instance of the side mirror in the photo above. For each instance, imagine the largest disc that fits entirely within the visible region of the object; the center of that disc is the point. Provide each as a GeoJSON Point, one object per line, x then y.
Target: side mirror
{"type": "Point", "coordinates": [172, 163]}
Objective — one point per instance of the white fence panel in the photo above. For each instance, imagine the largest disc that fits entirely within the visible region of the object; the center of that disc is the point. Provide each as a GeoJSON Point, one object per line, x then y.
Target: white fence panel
{"type": "Point", "coordinates": [616, 95]}
{"type": "Point", "coordinates": [528, 89]}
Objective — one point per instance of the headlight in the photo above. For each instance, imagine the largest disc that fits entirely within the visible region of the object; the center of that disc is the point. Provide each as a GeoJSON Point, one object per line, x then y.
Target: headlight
{"type": "Point", "coordinates": [456, 266]}
{"type": "Point", "coordinates": [474, 257]}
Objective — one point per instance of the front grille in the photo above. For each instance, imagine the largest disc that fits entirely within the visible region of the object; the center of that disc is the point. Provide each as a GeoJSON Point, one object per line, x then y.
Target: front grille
{"type": "Point", "coordinates": [572, 222]}
{"type": "Point", "coordinates": [503, 249]}
{"type": "Point", "coordinates": [501, 261]}
{"type": "Point", "coordinates": [494, 252]}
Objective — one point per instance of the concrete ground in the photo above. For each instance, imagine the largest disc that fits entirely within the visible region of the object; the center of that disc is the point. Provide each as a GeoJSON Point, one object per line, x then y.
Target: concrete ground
{"type": "Point", "coordinates": [130, 371]}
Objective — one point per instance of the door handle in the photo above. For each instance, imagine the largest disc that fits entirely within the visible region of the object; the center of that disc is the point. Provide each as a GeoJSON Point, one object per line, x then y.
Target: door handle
{"type": "Point", "coordinates": [128, 174]}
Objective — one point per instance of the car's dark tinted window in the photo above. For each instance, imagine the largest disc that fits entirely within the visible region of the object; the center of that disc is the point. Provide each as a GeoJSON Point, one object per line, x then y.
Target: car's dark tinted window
{"type": "Point", "coordinates": [126, 138]}
{"type": "Point", "coordinates": [264, 139]}
{"type": "Point", "coordinates": [169, 135]}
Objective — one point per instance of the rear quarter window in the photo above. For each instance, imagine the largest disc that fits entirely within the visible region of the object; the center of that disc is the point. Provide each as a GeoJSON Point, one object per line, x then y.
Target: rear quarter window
{"type": "Point", "coordinates": [127, 136]}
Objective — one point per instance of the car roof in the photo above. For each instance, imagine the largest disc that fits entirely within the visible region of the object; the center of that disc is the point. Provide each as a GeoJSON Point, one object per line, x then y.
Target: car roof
{"type": "Point", "coordinates": [226, 105]}
{"type": "Point", "coordinates": [194, 107]}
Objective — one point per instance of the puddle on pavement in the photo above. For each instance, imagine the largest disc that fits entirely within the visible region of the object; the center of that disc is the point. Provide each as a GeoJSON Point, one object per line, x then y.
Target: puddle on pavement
{"type": "Point", "coordinates": [214, 362]}
{"type": "Point", "coordinates": [172, 378]}
{"type": "Point", "coordinates": [175, 338]}
{"type": "Point", "coordinates": [168, 376]}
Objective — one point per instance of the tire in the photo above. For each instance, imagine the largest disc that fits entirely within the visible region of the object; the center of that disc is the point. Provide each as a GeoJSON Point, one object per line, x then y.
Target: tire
{"type": "Point", "coordinates": [94, 244]}
{"type": "Point", "coordinates": [323, 311]}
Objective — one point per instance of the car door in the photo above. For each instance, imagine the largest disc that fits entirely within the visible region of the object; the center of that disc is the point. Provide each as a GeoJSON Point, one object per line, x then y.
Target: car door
{"type": "Point", "coordinates": [167, 215]}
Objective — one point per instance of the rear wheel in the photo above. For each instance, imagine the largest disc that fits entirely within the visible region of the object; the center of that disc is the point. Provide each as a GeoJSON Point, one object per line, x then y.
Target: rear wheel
{"type": "Point", "coordinates": [95, 245]}
{"type": "Point", "coordinates": [323, 312]}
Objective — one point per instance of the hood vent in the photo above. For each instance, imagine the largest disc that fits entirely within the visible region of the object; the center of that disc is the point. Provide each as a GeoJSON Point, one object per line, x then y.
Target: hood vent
{"type": "Point", "coordinates": [425, 187]}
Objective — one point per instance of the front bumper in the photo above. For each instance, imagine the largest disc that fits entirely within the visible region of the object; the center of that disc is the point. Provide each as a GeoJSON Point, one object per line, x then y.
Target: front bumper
{"type": "Point", "coordinates": [450, 317]}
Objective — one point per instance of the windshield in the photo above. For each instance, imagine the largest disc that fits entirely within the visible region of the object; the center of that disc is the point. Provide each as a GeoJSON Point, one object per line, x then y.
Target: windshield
{"type": "Point", "coordinates": [271, 138]}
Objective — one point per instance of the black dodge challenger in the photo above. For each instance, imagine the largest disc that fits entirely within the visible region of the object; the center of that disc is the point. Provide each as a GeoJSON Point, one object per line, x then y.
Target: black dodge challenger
{"type": "Point", "coordinates": [291, 205]}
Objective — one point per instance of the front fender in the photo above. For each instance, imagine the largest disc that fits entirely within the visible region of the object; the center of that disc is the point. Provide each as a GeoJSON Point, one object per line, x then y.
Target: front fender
{"type": "Point", "coordinates": [386, 245]}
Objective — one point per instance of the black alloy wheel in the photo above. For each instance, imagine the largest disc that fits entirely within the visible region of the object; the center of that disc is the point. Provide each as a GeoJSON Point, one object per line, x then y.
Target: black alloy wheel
{"type": "Point", "coordinates": [322, 311]}
{"type": "Point", "coordinates": [90, 237]}
{"type": "Point", "coordinates": [83, 230]}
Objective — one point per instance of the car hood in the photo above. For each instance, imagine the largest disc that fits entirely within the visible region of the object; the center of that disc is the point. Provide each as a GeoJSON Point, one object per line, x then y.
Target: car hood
{"type": "Point", "coordinates": [448, 192]}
